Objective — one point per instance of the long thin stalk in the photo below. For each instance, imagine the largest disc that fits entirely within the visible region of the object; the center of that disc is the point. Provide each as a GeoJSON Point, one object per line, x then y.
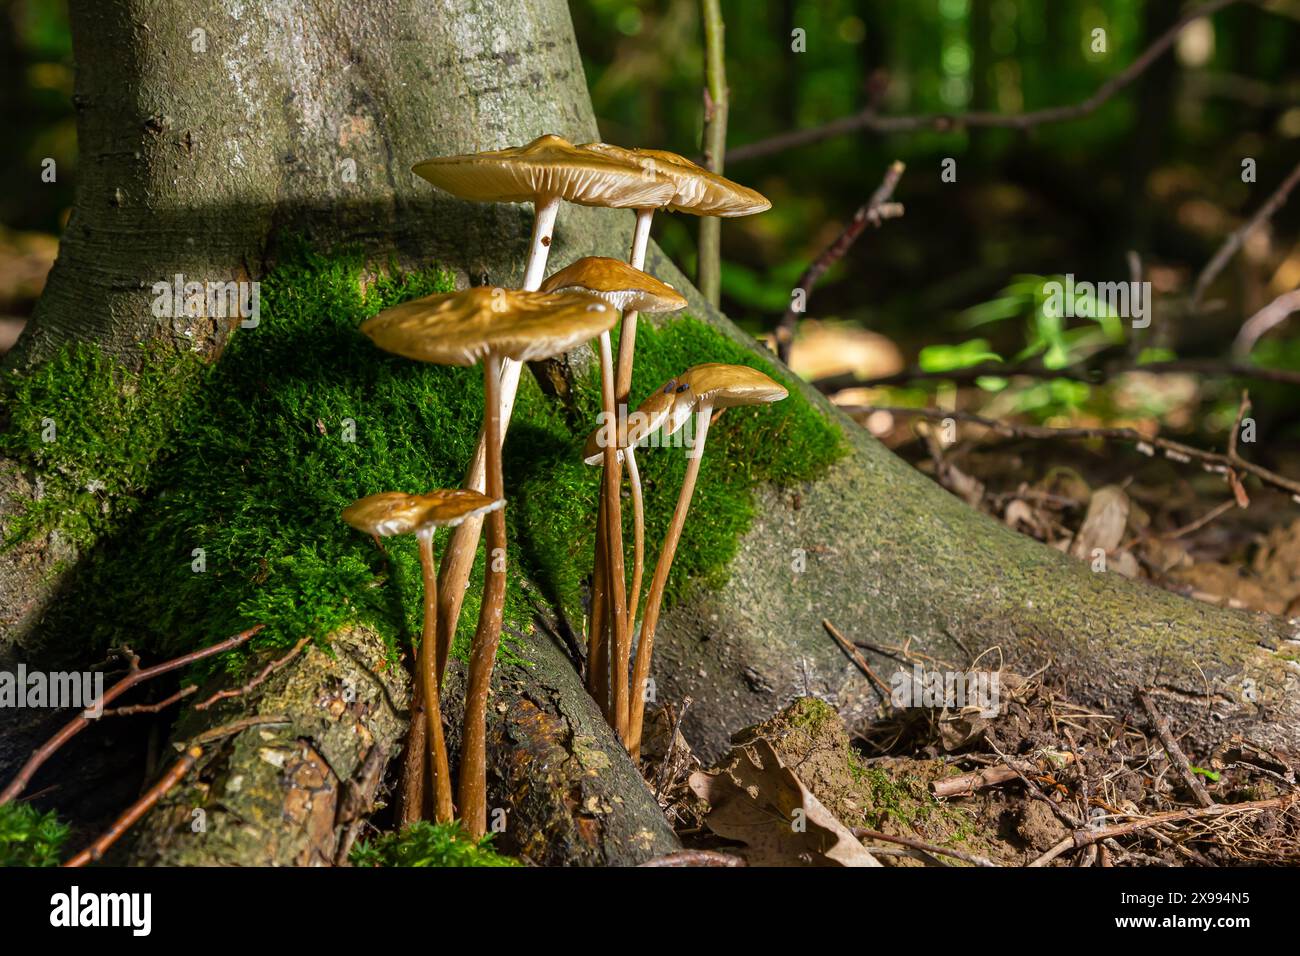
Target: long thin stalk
{"type": "Point", "coordinates": [638, 540]}
{"type": "Point", "coordinates": [708, 271]}
{"type": "Point", "coordinates": [654, 600]}
{"type": "Point", "coordinates": [473, 761]}
{"type": "Point", "coordinates": [598, 625]}
{"type": "Point", "coordinates": [443, 809]}
{"type": "Point", "coordinates": [411, 805]}
{"type": "Point", "coordinates": [627, 327]}
{"type": "Point", "coordinates": [459, 559]}
{"type": "Point", "coordinates": [616, 585]}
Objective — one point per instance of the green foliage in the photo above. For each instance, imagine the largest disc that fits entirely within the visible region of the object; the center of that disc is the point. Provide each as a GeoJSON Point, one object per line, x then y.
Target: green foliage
{"type": "Point", "coordinates": [248, 460]}
{"type": "Point", "coordinates": [29, 837]}
{"type": "Point", "coordinates": [429, 844]}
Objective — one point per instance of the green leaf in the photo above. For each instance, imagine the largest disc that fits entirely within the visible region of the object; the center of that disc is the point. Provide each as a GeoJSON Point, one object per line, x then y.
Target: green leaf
{"type": "Point", "coordinates": [946, 358]}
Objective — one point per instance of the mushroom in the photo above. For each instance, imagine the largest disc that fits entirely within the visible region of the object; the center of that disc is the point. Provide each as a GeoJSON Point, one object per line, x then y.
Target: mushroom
{"type": "Point", "coordinates": [624, 288]}
{"type": "Point", "coordinates": [648, 418]}
{"type": "Point", "coordinates": [702, 388]}
{"type": "Point", "coordinates": [395, 512]}
{"type": "Point", "coordinates": [543, 172]}
{"type": "Point", "coordinates": [697, 191]}
{"type": "Point", "coordinates": [460, 328]}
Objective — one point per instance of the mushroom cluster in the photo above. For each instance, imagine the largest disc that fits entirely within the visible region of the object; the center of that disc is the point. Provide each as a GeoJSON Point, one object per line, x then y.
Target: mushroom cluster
{"type": "Point", "coordinates": [503, 328]}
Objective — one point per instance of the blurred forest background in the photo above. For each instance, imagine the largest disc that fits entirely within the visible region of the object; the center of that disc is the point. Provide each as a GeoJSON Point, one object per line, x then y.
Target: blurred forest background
{"type": "Point", "coordinates": [955, 282]}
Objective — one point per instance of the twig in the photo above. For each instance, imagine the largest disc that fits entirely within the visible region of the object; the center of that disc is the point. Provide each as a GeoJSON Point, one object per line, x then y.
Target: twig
{"type": "Point", "coordinates": [696, 858]}
{"type": "Point", "coordinates": [133, 677]}
{"type": "Point", "coordinates": [133, 813]}
{"type": "Point", "coordinates": [942, 122]}
{"type": "Point", "coordinates": [709, 267]}
{"type": "Point", "coordinates": [1177, 451]}
{"type": "Point", "coordinates": [1082, 838]}
{"type": "Point", "coordinates": [238, 727]}
{"type": "Point", "coordinates": [1074, 373]}
{"type": "Point", "coordinates": [968, 783]}
{"type": "Point", "coordinates": [266, 672]}
{"type": "Point", "coordinates": [1034, 790]}
{"type": "Point", "coordinates": [873, 212]}
{"type": "Point", "coordinates": [1263, 321]}
{"type": "Point", "coordinates": [1175, 752]}
{"type": "Point", "coordinates": [661, 781]}
{"type": "Point", "coordinates": [1202, 521]}
{"type": "Point", "coordinates": [1235, 241]}
{"type": "Point", "coordinates": [858, 660]}
{"type": "Point", "coordinates": [151, 708]}
{"type": "Point", "coordinates": [862, 833]}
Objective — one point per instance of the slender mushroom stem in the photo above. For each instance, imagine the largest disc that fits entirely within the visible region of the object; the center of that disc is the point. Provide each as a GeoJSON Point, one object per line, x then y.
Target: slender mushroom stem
{"type": "Point", "coordinates": [483, 652]}
{"type": "Point", "coordinates": [616, 584]}
{"type": "Point", "coordinates": [638, 541]}
{"type": "Point", "coordinates": [443, 809]}
{"type": "Point", "coordinates": [459, 559]}
{"type": "Point", "coordinates": [412, 786]}
{"type": "Point", "coordinates": [598, 626]}
{"type": "Point", "coordinates": [655, 598]}
{"type": "Point", "coordinates": [627, 329]}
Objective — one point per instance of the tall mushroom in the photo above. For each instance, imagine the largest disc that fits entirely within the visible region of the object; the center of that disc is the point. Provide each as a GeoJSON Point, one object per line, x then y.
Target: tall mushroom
{"type": "Point", "coordinates": [395, 512]}
{"type": "Point", "coordinates": [706, 387]}
{"type": "Point", "coordinates": [460, 328]}
{"type": "Point", "coordinates": [543, 172]}
{"type": "Point", "coordinates": [624, 288]}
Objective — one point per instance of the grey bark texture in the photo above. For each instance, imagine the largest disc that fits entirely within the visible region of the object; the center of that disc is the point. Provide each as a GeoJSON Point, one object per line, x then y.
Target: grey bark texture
{"type": "Point", "coordinates": [193, 162]}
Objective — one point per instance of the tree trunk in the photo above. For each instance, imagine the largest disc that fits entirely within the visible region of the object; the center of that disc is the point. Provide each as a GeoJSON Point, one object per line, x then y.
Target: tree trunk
{"type": "Point", "coordinates": [194, 160]}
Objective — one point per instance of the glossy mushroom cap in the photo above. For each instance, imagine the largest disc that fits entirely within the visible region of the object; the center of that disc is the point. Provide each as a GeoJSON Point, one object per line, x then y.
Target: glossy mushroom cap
{"type": "Point", "coordinates": [395, 512]}
{"type": "Point", "coordinates": [459, 328]}
{"type": "Point", "coordinates": [698, 191]}
{"type": "Point", "coordinates": [726, 386]}
{"type": "Point", "coordinates": [548, 167]}
{"type": "Point", "coordinates": [617, 283]}
{"type": "Point", "coordinates": [668, 407]}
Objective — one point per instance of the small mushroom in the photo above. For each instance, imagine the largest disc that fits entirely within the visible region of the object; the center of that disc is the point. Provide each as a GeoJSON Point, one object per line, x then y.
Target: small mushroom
{"type": "Point", "coordinates": [624, 288]}
{"type": "Point", "coordinates": [704, 388]}
{"type": "Point", "coordinates": [395, 512]}
{"type": "Point", "coordinates": [662, 410]}
{"type": "Point", "coordinates": [543, 172]}
{"type": "Point", "coordinates": [460, 328]}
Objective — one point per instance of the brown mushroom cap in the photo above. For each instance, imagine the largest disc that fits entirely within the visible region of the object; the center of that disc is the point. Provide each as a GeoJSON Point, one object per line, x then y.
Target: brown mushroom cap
{"type": "Point", "coordinates": [668, 407]}
{"type": "Point", "coordinates": [549, 166]}
{"type": "Point", "coordinates": [726, 386]}
{"type": "Point", "coordinates": [459, 328]}
{"type": "Point", "coordinates": [617, 283]}
{"type": "Point", "coordinates": [699, 191]}
{"type": "Point", "coordinates": [396, 512]}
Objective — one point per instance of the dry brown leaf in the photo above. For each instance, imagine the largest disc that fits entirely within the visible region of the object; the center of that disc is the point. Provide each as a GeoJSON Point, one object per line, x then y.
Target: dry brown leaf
{"type": "Point", "coordinates": [761, 803]}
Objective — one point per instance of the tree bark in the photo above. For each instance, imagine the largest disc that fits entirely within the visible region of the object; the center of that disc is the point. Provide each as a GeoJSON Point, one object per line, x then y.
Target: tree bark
{"type": "Point", "coordinates": [194, 161]}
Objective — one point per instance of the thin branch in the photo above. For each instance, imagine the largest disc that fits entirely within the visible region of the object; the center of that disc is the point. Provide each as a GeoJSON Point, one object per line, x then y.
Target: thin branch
{"type": "Point", "coordinates": [868, 120]}
{"type": "Point", "coordinates": [873, 212]}
{"type": "Point", "coordinates": [858, 660]}
{"type": "Point", "coordinates": [1074, 373]}
{"type": "Point", "coordinates": [1175, 752]}
{"type": "Point", "coordinates": [1176, 451]}
{"type": "Point", "coordinates": [152, 708]}
{"type": "Point", "coordinates": [95, 852]}
{"type": "Point", "coordinates": [696, 858]}
{"type": "Point", "coordinates": [1238, 238]}
{"type": "Point", "coordinates": [266, 672]}
{"type": "Point", "coordinates": [862, 833]}
{"type": "Point", "coordinates": [1264, 321]}
{"type": "Point", "coordinates": [133, 677]}
{"type": "Point", "coordinates": [709, 264]}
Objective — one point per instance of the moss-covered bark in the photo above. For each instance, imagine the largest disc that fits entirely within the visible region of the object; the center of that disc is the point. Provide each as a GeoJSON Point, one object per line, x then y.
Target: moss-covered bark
{"type": "Point", "coordinates": [194, 160]}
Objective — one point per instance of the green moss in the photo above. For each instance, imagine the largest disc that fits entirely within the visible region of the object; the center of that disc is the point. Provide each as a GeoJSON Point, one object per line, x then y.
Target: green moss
{"type": "Point", "coordinates": [29, 837]}
{"type": "Point", "coordinates": [429, 844]}
{"type": "Point", "coordinates": [227, 480]}
{"type": "Point", "coordinates": [906, 801]}
{"type": "Point", "coordinates": [812, 714]}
